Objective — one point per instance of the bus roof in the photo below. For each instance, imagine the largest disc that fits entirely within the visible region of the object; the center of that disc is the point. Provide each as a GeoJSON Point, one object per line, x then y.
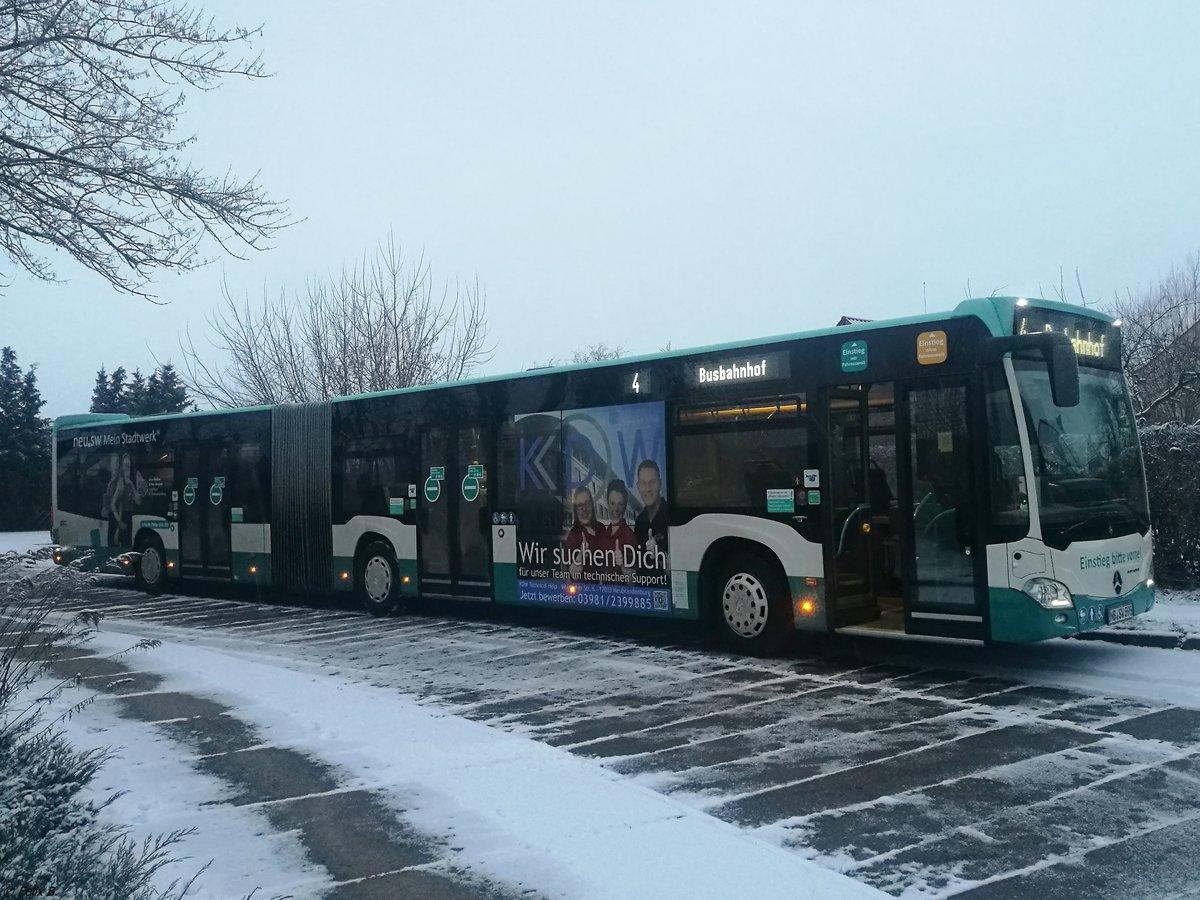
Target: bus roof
{"type": "Point", "coordinates": [995, 312]}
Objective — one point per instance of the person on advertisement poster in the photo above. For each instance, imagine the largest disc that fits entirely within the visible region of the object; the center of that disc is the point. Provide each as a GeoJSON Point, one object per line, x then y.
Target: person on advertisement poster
{"type": "Point", "coordinates": [123, 494]}
{"type": "Point", "coordinates": [650, 527]}
{"type": "Point", "coordinates": [587, 540]}
{"type": "Point", "coordinates": [619, 531]}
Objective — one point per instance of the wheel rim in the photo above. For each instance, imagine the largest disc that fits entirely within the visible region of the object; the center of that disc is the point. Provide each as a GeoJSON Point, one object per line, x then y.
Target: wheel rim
{"type": "Point", "coordinates": [151, 565]}
{"type": "Point", "coordinates": [377, 579]}
{"type": "Point", "coordinates": [745, 605]}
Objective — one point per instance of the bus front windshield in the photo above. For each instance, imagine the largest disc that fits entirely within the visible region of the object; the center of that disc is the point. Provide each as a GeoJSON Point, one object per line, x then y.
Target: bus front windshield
{"type": "Point", "coordinates": [1086, 461]}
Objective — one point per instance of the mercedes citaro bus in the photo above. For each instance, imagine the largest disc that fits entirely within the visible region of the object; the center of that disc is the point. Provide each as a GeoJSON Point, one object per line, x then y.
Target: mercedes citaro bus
{"type": "Point", "coordinates": [972, 476]}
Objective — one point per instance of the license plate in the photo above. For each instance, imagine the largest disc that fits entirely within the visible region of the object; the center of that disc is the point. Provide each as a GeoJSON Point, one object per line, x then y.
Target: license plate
{"type": "Point", "coordinates": [1120, 613]}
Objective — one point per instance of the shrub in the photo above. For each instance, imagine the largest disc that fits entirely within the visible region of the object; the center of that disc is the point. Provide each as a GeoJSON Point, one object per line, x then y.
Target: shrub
{"type": "Point", "coordinates": [1172, 457]}
{"type": "Point", "coordinates": [52, 842]}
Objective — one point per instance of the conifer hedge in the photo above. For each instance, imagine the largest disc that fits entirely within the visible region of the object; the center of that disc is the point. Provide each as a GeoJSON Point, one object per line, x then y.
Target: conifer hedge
{"type": "Point", "coordinates": [1172, 457]}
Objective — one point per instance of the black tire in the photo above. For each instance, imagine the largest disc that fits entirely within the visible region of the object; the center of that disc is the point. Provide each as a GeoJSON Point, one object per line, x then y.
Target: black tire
{"type": "Point", "coordinates": [150, 571]}
{"type": "Point", "coordinates": [377, 579]}
{"type": "Point", "coordinates": [752, 604]}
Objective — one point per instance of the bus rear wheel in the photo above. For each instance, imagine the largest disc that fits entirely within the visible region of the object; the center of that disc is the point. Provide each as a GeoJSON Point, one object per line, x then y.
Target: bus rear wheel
{"type": "Point", "coordinates": [376, 579]}
{"type": "Point", "coordinates": [151, 569]}
{"type": "Point", "coordinates": [753, 605]}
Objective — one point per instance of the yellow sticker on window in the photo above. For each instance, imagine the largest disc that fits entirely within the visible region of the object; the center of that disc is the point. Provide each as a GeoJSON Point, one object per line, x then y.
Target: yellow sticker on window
{"type": "Point", "coordinates": [931, 347]}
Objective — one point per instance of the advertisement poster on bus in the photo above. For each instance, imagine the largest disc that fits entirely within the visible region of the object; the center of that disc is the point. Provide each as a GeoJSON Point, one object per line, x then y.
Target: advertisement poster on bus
{"type": "Point", "coordinates": [106, 478]}
{"type": "Point", "coordinates": [592, 509]}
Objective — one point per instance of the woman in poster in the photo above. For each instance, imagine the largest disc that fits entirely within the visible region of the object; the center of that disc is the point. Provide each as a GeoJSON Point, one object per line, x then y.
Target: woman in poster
{"type": "Point", "coordinates": [588, 542]}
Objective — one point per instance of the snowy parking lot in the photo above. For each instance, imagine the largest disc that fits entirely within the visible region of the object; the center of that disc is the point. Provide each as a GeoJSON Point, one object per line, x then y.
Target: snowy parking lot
{"type": "Point", "coordinates": [324, 753]}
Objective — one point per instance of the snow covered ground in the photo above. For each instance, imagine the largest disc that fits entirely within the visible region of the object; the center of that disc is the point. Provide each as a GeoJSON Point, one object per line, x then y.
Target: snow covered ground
{"type": "Point", "coordinates": [160, 791]}
{"type": "Point", "coordinates": [1175, 611]}
{"type": "Point", "coordinates": [516, 810]}
{"type": "Point", "coordinates": [23, 541]}
{"type": "Point", "coordinates": [576, 765]}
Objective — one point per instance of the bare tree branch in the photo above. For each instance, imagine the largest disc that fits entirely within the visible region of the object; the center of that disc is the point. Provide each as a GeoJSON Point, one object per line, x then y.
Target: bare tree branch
{"type": "Point", "coordinates": [1160, 345]}
{"type": "Point", "coordinates": [91, 92]}
{"type": "Point", "coordinates": [377, 326]}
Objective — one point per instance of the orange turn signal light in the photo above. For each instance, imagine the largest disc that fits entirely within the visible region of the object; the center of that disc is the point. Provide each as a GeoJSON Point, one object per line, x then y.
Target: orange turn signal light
{"type": "Point", "coordinates": [345, 576]}
{"type": "Point", "coordinates": [254, 570]}
{"type": "Point", "coordinates": [406, 579]}
{"type": "Point", "coordinates": [807, 606]}
{"type": "Point", "coordinates": [572, 589]}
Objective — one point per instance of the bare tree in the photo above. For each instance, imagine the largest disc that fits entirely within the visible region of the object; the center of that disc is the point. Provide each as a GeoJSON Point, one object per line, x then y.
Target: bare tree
{"type": "Point", "coordinates": [1160, 347]}
{"type": "Point", "coordinates": [597, 352]}
{"type": "Point", "coordinates": [91, 92]}
{"type": "Point", "coordinates": [378, 326]}
{"type": "Point", "coordinates": [1060, 289]}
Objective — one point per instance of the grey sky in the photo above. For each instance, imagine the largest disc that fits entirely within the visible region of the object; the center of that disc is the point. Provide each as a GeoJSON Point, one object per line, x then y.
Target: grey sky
{"type": "Point", "coordinates": [641, 173]}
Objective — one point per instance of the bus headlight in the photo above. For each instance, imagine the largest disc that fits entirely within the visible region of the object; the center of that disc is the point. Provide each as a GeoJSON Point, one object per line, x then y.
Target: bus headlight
{"type": "Point", "coordinates": [1049, 594]}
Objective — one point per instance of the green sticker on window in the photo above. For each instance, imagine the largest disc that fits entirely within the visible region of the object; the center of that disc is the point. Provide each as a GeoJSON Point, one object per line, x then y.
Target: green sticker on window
{"type": "Point", "coordinates": [814, 498]}
{"type": "Point", "coordinates": [854, 356]}
{"type": "Point", "coordinates": [781, 500]}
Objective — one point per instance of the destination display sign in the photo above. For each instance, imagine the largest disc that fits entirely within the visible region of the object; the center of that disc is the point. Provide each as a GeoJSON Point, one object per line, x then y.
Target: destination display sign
{"type": "Point", "coordinates": [1095, 341]}
{"type": "Point", "coordinates": [737, 369]}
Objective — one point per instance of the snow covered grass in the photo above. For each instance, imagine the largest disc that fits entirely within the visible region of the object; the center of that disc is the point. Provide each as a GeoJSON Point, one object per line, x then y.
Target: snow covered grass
{"type": "Point", "coordinates": [23, 541]}
{"type": "Point", "coordinates": [1175, 611]}
{"type": "Point", "coordinates": [515, 810]}
{"type": "Point", "coordinates": [234, 849]}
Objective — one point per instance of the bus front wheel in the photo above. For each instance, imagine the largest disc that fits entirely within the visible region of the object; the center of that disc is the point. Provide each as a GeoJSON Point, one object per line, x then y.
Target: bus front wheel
{"type": "Point", "coordinates": [376, 579]}
{"type": "Point", "coordinates": [752, 604]}
{"type": "Point", "coordinates": [151, 569]}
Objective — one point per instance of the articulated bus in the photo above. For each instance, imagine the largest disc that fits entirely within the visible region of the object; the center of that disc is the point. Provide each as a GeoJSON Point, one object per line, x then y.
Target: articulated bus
{"type": "Point", "coordinates": [972, 476]}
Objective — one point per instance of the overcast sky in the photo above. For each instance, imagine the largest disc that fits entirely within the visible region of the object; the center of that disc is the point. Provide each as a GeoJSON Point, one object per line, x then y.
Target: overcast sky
{"type": "Point", "coordinates": [638, 173]}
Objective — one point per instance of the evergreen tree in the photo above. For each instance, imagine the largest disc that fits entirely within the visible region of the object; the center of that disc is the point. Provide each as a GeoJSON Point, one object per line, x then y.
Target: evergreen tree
{"type": "Point", "coordinates": [116, 390]}
{"type": "Point", "coordinates": [24, 448]}
{"type": "Point", "coordinates": [165, 392]}
{"type": "Point", "coordinates": [104, 400]}
{"type": "Point", "coordinates": [134, 401]}
{"type": "Point", "coordinates": [162, 392]}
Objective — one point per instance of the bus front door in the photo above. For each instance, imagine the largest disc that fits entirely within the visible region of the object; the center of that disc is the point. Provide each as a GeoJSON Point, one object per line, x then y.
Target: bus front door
{"type": "Point", "coordinates": [204, 521]}
{"type": "Point", "coordinates": [454, 531]}
{"type": "Point", "coordinates": [943, 564]}
{"type": "Point", "coordinates": [849, 550]}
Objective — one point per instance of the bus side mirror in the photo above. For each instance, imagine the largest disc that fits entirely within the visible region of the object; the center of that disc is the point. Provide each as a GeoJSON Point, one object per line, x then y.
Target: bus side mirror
{"type": "Point", "coordinates": [1064, 372]}
{"type": "Point", "coordinates": [1062, 364]}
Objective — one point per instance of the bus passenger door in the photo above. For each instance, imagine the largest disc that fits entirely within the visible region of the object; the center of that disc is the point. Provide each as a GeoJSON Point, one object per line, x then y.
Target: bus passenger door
{"type": "Point", "coordinates": [944, 585]}
{"type": "Point", "coordinates": [848, 557]}
{"type": "Point", "coordinates": [454, 530]}
{"type": "Point", "coordinates": [204, 522]}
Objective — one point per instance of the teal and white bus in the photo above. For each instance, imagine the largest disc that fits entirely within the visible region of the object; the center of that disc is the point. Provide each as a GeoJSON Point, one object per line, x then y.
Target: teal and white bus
{"type": "Point", "coordinates": [972, 476]}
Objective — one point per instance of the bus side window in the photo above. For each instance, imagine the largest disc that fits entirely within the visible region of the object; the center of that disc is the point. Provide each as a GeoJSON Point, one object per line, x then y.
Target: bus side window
{"type": "Point", "coordinates": [368, 478]}
{"type": "Point", "coordinates": [1009, 502]}
{"type": "Point", "coordinates": [252, 482]}
{"type": "Point", "coordinates": [69, 477]}
{"type": "Point", "coordinates": [727, 457]}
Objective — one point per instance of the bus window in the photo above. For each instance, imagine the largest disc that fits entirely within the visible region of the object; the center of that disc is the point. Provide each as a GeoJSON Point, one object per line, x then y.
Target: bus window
{"type": "Point", "coordinates": [69, 474]}
{"type": "Point", "coordinates": [1009, 502]}
{"type": "Point", "coordinates": [252, 482]}
{"type": "Point", "coordinates": [727, 457]}
{"type": "Point", "coordinates": [368, 476]}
